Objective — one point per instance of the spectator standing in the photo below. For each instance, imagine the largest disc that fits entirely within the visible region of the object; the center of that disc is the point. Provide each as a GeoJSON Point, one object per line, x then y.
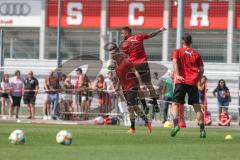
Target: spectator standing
{"type": "Point", "coordinates": [16, 93]}
{"type": "Point", "coordinates": [167, 94]}
{"type": "Point", "coordinates": [31, 87]}
{"type": "Point", "coordinates": [112, 84]}
{"type": "Point", "coordinates": [5, 97]}
{"type": "Point", "coordinates": [47, 101]}
{"type": "Point", "coordinates": [100, 86]}
{"type": "Point", "coordinates": [110, 88]}
{"type": "Point", "coordinates": [85, 89]}
{"type": "Point", "coordinates": [156, 83]}
{"type": "Point", "coordinates": [202, 89]}
{"type": "Point", "coordinates": [66, 96]}
{"type": "Point", "coordinates": [54, 89]}
{"type": "Point", "coordinates": [223, 96]}
{"type": "Point", "coordinates": [77, 83]}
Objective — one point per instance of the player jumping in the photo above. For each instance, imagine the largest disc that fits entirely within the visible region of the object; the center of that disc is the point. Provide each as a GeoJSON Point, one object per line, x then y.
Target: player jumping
{"type": "Point", "coordinates": [138, 57]}
{"type": "Point", "coordinates": [129, 80]}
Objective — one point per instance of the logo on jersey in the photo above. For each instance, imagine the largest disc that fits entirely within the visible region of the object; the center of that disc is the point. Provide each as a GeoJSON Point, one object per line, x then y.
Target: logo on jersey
{"type": "Point", "coordinates": [189, 53]}
{"type": "Point", "coordinates": [133, 40]}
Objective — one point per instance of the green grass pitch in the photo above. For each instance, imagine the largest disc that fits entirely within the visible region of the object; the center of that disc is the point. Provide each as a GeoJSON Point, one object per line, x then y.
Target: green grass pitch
{"type": "Point", "coordinates": [113, 143]}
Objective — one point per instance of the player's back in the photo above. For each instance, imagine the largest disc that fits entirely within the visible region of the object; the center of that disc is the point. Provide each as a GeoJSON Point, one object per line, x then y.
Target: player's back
{"type": "Point", "coordinates": [189, 61]}
{"type": "Point", "coordinates": [137, 52]}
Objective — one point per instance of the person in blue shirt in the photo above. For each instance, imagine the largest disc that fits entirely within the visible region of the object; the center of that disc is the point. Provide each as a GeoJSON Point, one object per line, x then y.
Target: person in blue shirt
{"type": "Point", "coordinates": [223, 95]}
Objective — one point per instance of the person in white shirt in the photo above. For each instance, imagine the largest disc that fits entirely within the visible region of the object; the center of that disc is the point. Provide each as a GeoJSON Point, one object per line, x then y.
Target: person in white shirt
{"type": "Point", "coordinates": [16, 93]}
{"type": "Point", "coordinates": [6, 88]}
{"type": "Point", "coordinates": [110, 87]}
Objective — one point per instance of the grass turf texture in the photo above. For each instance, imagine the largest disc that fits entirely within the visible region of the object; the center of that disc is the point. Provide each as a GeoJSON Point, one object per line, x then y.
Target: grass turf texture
{"type": "Point", "coordinates": [113, 143]}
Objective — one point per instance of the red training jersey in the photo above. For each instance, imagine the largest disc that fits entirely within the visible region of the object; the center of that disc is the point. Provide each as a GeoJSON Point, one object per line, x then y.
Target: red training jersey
{"type": "Point", "coordinates": [137, 52]}
{"type": "Point", "coordinates": [189, 61]}
{"type": "Point", "coordinates": [125, 75]}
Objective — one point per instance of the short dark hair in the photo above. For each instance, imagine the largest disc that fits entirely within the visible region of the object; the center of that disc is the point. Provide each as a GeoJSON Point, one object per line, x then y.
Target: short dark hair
{"type": "Point", "coordinates": [110, 46]}
{"type": "Point", "coordinates": [17, 72]}
{"type": "Point", "coordinates": [187, 38]}
{"type": "Point", "coordinates": [205, 77]}
{"type": "Point", "coordinates": [128, 29]}
{"type": "Point", "coordinates": [64, 76]}
{"type": "Point", "coordinates": [79, 70]}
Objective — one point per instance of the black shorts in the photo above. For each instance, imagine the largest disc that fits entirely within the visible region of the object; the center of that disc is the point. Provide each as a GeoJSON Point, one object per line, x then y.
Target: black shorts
{"type": "Point", "coordinates": [131, 96]}
{"type": "Point", "coordinates": [4, 95]}
{"type": "Point", "coordinates": [29, 100]}
{"type": "Point", "coordinates": [88, 96]}
{"type": "Point", "coordinates": [180, 93]}
{"type": "Point", "coordinates": [16, 101]}
{"type": "Point", "coordinates": [144, 71]}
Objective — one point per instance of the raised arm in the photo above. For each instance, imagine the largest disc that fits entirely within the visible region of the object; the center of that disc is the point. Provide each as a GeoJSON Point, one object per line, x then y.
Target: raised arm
{"type": "Point", "coordinates": [154, 33]}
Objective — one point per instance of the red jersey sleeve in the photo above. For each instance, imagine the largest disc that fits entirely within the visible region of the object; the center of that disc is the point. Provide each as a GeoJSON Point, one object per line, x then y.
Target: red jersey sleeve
{"type": "Point", "coordinates": [143, 36]}
{"type": "Point", "coordinates": [175, 54]}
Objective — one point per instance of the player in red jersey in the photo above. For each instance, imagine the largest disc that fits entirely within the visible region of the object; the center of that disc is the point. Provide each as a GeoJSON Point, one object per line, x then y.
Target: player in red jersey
{"type": "Point", "coordinates": [129, 81]}
{"type": "Point", "coordinates": [188, 67]}
{"type": "Point", "coordinates": [136, 52]}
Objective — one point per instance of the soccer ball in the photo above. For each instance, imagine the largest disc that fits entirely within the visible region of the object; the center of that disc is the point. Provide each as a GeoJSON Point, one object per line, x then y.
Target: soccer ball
{"type": "Point", "coordinates": [64, 137]}
{"type": "Point", "coordinates": [228, 137]}
{"type": "Point", "coordinates": [168, 124]}
{"type": "Point", "coordinates": [111, 64]}
{"type": "Point", "coordinates": [17, 137]}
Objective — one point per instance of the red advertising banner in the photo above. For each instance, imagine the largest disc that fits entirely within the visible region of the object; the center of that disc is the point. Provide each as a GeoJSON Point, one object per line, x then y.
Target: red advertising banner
{"type": "Point", "coordinates": [237, 15]}
{"type": "Point", "coordinates": [86, 13]}
{"type": "Point", "coordinates": [140, 14]}
{"type": "Point", "coordinates": [204, 15]}
{"type": "Point", "coordinates": [75, 13]}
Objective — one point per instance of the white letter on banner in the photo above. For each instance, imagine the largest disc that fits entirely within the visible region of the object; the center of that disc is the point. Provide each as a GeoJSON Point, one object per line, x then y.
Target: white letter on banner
{"type": "Point", "coordinates": [132, 20]}
{"type": "Point", "coordinates": [199, 14]}
{"type": "Point", "coordinates": [74, 13]}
